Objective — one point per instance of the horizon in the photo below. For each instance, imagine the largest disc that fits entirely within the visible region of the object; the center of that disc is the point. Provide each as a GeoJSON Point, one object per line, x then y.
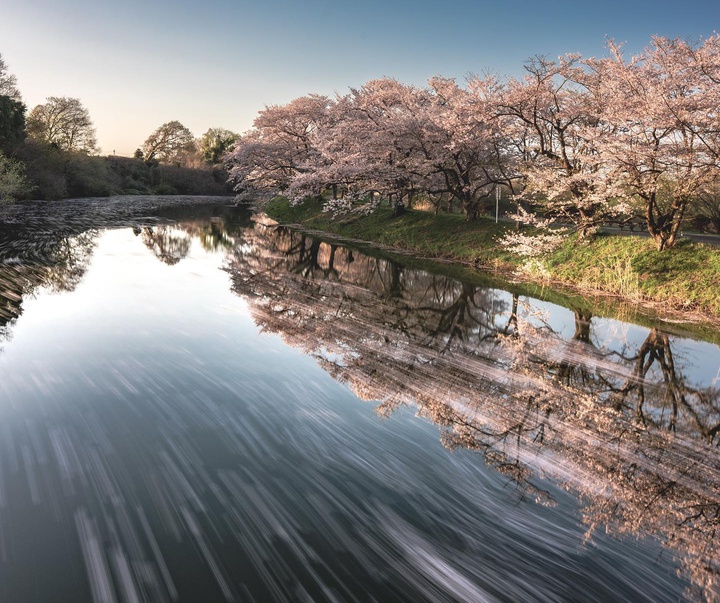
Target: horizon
{"type": "Point", "coordinates": [135, 66]}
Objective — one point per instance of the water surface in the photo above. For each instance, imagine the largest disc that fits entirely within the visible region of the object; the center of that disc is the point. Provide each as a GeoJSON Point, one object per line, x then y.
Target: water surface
{"type": "Point", "coordinates": [197, 405]}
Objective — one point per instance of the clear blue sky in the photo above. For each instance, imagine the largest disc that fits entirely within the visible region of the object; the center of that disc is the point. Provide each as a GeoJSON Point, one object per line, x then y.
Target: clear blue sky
{"type": "Point", "coordinates": [138, 63]}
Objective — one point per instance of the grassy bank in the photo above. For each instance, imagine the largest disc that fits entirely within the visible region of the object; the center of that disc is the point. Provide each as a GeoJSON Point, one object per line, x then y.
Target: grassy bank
{"type": "Point", "coordinates": [681, 281]}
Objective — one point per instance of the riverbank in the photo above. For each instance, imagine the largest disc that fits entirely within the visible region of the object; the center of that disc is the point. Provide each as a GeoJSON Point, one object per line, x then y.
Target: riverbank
{"type": "Point", "coordinates": [680, 283]}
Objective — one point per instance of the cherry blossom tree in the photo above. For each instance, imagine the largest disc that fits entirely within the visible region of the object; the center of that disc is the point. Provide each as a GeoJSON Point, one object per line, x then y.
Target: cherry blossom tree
{"type": "Point", "coordinates": [366, 148]}
{"type": "Point", "coordinates": [554, 122]}
{"type": "Point", "coordinates": [705, 60]}
{"type": "Point", "coordinates": [257, 165]}
{"type": "Point", "coordinates": [462, 142]}
{"type": "Point", "coordinates": [398, 141]}
{"type": "Point", "coordinates": [279, 147]}
{"type": "Point", "coordinates": [579, 142]}
{"type": "Point", "coordinates": [663, 108]}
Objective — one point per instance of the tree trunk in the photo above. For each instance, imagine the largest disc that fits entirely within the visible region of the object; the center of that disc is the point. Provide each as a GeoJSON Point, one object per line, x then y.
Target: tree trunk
{"type": "Point", "coordinates": [664, 227]}
{"type": "Point", "coordinates": [470, 207]}
{"type": "Point", "coordinates": [585, 225]}
{"type": "Point", "coordinates": [582, 325]}
{"type": "Point", "coordinates": [584, 232]}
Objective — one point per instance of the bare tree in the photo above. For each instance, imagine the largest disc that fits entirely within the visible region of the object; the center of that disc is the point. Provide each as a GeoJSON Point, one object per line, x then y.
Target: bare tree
{"type": "Point", "coordinates": [63, 122]}
{"type": "Point", "coordinates": [170, 143]}
{"type": "Point", "coordinates": [8, 82]}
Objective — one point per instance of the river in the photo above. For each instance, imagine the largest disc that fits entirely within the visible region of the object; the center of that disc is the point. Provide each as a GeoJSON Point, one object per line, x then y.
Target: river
{"type": "Point", "coordinates": [199, 405]}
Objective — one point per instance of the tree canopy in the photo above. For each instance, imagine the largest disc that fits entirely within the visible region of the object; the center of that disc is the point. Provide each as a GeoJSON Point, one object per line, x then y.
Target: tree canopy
{"type": "Point", "coordinates": [215, 144]}
{"type": "Point", "coordinates": [12, 123]}
{"type": "Point", "coordinates": [12, 179]}
{"type": "Point", "coordinates": [8, 82]}
{"type": "Point", "coordinates": [170, 143]}
{"type": "Point", "coordinates": [63, 122]}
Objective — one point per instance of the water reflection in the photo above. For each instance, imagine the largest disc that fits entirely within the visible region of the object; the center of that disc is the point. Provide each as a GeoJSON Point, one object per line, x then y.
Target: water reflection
{"type": "Point", "coordinates": [58, 264]}
{"type": "Point", "coordinates": [624, 423]}
{"type": "Point", "coordinates": [50, 246]}
{"type": "Point", "coordinates": [168, 244]}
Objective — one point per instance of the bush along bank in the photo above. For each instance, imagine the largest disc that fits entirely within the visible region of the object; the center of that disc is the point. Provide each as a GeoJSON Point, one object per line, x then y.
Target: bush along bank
{"type": "Point", "coordinates": [49, 174]}
{"type": "Point", "coordinates": [682, 282]}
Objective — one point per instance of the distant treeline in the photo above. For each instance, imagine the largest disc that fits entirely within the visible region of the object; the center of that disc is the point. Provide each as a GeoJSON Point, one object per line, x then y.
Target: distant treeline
{"type": "Point", "coordinates": [55, 174]}
{"type": "Point", "coordinates": [52, 153]}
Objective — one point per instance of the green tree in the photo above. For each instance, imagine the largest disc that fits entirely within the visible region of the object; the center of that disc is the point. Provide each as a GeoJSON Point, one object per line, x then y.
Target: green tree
{"type": "Point", "coordinates": [215, 143]}
{"type": "Point", "coordinates": [12, 123]}
{"type": "Point", "coordinates": [64, 123]}
{"type": "Point", "coordinates": [13, 183]}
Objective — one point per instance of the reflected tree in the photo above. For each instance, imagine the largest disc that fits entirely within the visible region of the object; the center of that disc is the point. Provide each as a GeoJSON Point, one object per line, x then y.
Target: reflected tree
{"type": "Point", "coordinates": [55, 262]}
{"type": "Point", "coordinates": [69, 260]}
{"type": "Point", "coordinates": [167, 243]}
{"type": "Point", "coordinates": [661, 395]}
{"type": "Point", "coordinates": [624, 427]}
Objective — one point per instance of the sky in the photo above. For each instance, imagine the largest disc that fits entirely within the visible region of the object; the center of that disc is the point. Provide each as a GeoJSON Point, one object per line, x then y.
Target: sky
{"type": "Point", "coordinates": [136, 64]}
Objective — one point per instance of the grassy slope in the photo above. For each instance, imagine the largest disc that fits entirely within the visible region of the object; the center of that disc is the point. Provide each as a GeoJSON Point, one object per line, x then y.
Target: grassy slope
{"type": "Point", "coordinates": [686, 278]}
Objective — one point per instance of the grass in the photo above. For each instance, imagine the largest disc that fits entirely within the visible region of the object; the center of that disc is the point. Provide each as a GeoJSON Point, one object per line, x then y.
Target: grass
{"type": "Point", "coordinates": [686, 278]}
{"type": "Point", "coordinates": [445, 236]}
{"type": "Point", "coordinates": [682, 280]}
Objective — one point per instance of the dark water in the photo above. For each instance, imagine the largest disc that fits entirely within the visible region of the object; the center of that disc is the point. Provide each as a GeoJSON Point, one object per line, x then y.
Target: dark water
{"type": "Point", "coordinates": [197, 406]}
